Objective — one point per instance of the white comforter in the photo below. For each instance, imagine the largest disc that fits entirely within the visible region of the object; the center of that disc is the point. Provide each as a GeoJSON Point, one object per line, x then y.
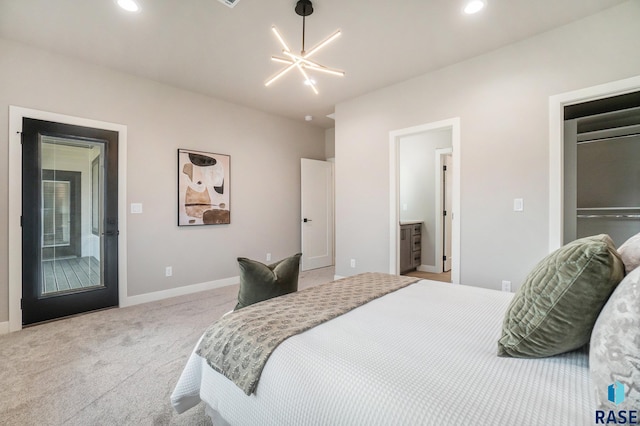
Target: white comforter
{"type": "Point", "coordinates": [425, 354]}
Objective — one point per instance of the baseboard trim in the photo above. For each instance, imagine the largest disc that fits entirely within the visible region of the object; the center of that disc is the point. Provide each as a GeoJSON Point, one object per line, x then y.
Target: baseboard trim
{"type": "Point", "coordinates": [428, 268]}
{"type": "Point", "coordinates": [4, 327]}
{"type": "Point", "coordinates": [179, 291]}
{"type": "Point", "coordinates": [337, 277]}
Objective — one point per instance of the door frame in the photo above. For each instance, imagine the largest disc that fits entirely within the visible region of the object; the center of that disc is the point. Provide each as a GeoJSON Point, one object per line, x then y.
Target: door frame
{"type": "Point", "coordinates": [556, 145]}
{"type": "Point", "coordinates": [394, 191]}
{"type": "Point", "coordinates": [16, 114]}
{"type": "Point", "coordinates": [441, 153]}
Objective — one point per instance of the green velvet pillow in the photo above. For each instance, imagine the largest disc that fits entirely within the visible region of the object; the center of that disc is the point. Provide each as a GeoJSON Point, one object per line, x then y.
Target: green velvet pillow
{"type": "Point", "coordinates": [260, 282]}
{"type": "Point", "coordinates": [555, 309]}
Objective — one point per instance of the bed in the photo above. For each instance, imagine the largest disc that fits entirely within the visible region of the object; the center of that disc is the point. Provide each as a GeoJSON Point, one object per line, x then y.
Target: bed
{"type": "Point", "coordinates": [423, 354]}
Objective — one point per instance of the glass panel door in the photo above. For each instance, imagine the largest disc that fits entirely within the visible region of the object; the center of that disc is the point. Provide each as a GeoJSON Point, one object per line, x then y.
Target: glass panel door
{"type": "Point", "coordinates": [69, 220]}
{"type": "Point", "coordinates": [71, 189]}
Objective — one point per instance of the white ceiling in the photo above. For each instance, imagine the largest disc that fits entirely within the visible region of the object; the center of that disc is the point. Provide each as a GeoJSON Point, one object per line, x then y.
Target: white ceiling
{"type": "Point", "coordinates": [207, 47]}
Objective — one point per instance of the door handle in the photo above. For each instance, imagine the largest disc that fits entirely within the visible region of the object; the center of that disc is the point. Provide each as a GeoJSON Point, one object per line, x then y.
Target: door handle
{"type": "Point", "coordinates": [111, 233]}
{"type": "Point", "coordinates": [305, 220]}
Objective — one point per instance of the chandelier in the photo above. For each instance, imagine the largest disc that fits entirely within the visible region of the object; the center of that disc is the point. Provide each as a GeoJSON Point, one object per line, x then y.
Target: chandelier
{"type": "Point", "coordinates": [302, 61]}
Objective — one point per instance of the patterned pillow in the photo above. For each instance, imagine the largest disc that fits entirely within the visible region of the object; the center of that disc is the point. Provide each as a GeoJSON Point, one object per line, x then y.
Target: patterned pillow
{"type": "Point", "coordinates": [555, 309]}
{"type": "Point", "coordinates": [630, 253]}
{"type": "Point", "coordinates": [260, 282]}
{"type": "Point", "coordinates": [614, 355]}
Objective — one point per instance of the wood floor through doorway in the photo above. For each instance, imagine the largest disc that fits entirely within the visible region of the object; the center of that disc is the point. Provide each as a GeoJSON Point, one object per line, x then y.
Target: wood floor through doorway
{"type": "Point", "coordinates": [444, 277]}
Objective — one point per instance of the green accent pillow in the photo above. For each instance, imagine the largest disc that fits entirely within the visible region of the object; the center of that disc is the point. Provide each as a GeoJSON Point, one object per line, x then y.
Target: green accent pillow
{"type": "Point", "coordinates": [555, 309]}
{"type": "Point", "coordinates": [260, 282]}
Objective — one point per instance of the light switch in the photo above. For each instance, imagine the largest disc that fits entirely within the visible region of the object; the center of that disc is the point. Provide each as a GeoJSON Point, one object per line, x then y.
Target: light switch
{"type": "Point", "coordinates": [136, 208]}
{"type": "Point", "coordinates": [518, 204]}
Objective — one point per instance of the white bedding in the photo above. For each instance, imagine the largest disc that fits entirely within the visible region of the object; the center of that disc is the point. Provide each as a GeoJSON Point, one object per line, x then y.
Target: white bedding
{"type": "Point", "coordinates": [425, 354]}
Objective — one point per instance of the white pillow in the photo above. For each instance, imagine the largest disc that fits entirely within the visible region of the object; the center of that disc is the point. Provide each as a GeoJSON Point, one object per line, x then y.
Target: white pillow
{"type": "Point", "coordinates": [630, 253]}
{"type": "Point", "coordinates": [614, 355]}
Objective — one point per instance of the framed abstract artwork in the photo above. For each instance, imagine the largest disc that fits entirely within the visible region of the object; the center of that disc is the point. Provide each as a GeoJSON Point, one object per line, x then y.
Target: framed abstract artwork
{"type": "Point", "coordinates": [203, 188]}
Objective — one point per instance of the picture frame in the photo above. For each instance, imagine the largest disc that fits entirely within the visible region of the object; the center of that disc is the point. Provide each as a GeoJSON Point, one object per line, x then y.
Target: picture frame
{"type": "Point", "coordinates": [203, 188]}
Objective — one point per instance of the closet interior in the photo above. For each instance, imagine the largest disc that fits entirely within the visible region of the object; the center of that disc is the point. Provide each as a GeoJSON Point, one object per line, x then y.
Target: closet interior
{"type": "Point", "coordinates": [602, 168]}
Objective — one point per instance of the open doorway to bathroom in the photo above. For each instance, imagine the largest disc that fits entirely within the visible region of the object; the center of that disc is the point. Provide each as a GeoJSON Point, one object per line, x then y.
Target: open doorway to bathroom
{"type": "Point", "coordinates": [425, 227]}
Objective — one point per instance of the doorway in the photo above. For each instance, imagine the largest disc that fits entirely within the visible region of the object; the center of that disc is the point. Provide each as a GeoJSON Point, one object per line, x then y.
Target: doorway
{"type": "Point", "coordinates": [69, 220]}
{"type": "Point", "coordinates": [61, 213]}
{"type": "Point", "coordinates": [409, 207]}
{"type": "Point", "coordinates": [558, 204]}
{"type": "Point", "coordinates": [602, 149]}
{"type": "Point", "coordinates": [16, 118]}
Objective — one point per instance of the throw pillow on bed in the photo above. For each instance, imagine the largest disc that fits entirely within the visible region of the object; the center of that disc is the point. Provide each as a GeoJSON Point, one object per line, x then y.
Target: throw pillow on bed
{"type": "Point", "coordinates": [260, 282]}
{"type": "Point", "coordinates": [614, 355]}
{"type": "Point", "coordinates": [555, 309]}
{"type": "Point", "coordinates": [630, 253]}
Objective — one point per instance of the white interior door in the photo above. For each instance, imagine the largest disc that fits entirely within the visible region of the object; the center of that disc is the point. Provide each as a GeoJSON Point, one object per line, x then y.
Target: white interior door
{"type": "Point", "coordinates": [448, 190]}
{"type": "Point", "coordinates": [317, 213]}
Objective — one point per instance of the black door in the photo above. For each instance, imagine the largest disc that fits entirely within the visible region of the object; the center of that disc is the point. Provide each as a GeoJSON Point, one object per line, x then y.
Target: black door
{"type": "Point", "coordinates": [69, 220]}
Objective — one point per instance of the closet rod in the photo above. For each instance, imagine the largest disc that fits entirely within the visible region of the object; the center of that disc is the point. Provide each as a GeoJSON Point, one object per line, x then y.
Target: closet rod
{"type": "Point", "coordinates": [631, 135]}
{"type": "Point", "coordinates": [608, 208]}
{"type": "Point", "coordinates": [608, 216]}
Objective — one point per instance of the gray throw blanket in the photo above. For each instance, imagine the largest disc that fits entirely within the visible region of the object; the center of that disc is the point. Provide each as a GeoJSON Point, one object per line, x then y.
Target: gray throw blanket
{"type": "Point", "coordinates": [239, 344]}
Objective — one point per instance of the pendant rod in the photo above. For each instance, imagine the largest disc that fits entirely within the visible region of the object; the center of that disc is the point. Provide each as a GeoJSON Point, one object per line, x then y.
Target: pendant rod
{"type": "Point", "coordinates": [303, 21]}
{"type": "Point", "coordinates": [304, 8]}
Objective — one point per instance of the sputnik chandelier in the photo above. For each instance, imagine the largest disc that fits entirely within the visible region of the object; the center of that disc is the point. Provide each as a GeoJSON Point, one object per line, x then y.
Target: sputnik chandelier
{"type": "Point", "coordinates": [302, 62]}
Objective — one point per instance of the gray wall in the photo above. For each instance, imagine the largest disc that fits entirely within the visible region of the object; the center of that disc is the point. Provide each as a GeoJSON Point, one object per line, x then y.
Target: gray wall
{"type": "Point", "coordinates": [502, 101]}
{"type": "Point", "coordinates": [330, 143]}
{"type": "Point", "coordinates": [265, 165]}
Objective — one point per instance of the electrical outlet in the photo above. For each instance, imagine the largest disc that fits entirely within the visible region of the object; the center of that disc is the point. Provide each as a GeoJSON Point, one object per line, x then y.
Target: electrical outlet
{"type": "Point", "coordinates": [268, 257]}
{"type": "Point", "coordinates": [353, 263]}
{"type": "Point", "coordinates": [506, 286]}
{"type": "Point", "coordinates": [168, 271]}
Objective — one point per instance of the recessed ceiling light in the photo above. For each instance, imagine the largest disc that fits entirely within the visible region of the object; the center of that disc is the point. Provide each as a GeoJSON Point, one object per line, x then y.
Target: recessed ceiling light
{"type": "Point", "coordinates": [474, 6]}
{"type": "Point", "coordinates": [308, 117]}
{"type": "Point", "coordinates": [129, 5]}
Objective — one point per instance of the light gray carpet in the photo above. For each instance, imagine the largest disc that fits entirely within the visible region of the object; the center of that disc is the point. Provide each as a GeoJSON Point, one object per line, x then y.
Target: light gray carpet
{"type": "Point", "coordinates": [113, 367]}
